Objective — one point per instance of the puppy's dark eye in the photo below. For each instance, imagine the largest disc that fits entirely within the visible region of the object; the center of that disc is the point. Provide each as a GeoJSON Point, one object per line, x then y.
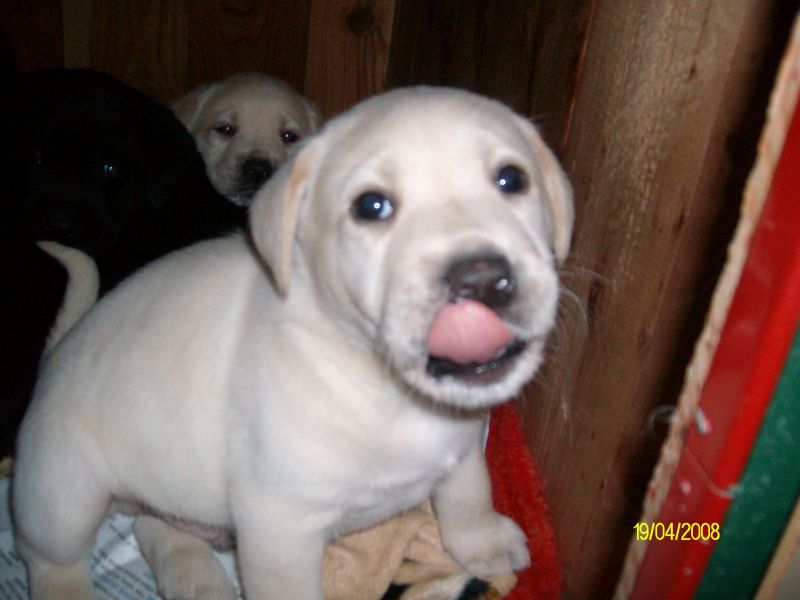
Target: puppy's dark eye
{"type": "Point", "coordinates": [511, 180]}
{"type": "Point", "coordinates": [226, 130]}
{"type": "Point", "coordinates": [37, 159]}
{"type": "Point", "coordinates": [289, 137]}
{"type": "Point", "coordinates": [373, 206]}
{"type": "Point", "coordinates": [111, 169]}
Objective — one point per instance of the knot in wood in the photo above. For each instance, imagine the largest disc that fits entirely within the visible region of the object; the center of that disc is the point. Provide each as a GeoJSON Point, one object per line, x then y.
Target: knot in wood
{"type": "Point", "coordinates": [361, 19]}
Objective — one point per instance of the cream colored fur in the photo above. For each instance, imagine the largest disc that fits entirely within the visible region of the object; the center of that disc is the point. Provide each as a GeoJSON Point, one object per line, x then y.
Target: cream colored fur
{"type": "Point", "coordinates": [260, 110]}
{"type": "Point", "coordinates": [278, 388]}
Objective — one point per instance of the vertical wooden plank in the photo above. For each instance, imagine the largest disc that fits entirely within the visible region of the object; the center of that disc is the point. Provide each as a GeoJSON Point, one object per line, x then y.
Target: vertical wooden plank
{"type": "Point", "coordinates": [662, 89]}
{"type": "Point", "coordinates": [230, 36]}
{"type": "Point", "coordinates": [142, 43]}
{"type": "Point", "coordinates": [486, 47]}
{"type": "Point", "coordinates": [77, 33]}
{"type": "Point", "coordinates": [33, 33]}
{"type": "Point", "coordinates": [560, 52]}
{"type": "Point", "coordinates": [348, 50]}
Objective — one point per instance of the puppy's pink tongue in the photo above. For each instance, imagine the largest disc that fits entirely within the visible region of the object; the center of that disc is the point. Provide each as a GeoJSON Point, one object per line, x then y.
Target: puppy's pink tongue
{"type": "Point", "coordinates": [468, 332]}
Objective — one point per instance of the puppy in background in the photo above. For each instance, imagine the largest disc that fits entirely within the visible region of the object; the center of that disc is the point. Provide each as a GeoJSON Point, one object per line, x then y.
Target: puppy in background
{"type": "Point", "coordinates": [98, 167]}
{"type": "Point", "coordinates": [107, 170]}
{"type": "Point", "coordinates": [245, 126]}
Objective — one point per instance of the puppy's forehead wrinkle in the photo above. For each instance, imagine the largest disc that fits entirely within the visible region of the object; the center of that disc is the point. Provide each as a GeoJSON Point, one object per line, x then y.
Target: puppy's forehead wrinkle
{"type": "Point", "coordinates": [431, 116]}
{"type": "Point", "coordinates": [223, 114]}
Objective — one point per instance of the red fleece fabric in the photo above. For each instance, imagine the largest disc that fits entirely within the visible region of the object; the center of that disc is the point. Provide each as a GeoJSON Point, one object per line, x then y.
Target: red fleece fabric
{"type": "Point", "coordinates": [517, 491]}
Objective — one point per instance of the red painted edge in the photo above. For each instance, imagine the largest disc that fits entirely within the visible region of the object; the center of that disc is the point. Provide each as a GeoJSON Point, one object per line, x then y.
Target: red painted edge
{"type": "Point", "coordinates": [753, 346]}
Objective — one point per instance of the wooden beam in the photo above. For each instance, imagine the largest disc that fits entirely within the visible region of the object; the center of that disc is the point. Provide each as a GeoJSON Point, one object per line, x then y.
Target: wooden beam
{"type": "Point", "coordinates": [486, 47]}
{"type": "Point", "coordinates": [662, 88]}
{"type": "Point", "coordinates": [348, 50]}
{"type": "Point", "coordinates": [142, 43]}
{"type": "Point", "coordinates": [32, 33]}
{"type": "Point", "coordinates": [230, 37]}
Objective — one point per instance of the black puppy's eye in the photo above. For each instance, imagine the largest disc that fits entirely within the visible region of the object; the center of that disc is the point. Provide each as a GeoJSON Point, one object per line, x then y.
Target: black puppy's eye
{"type": "Point", "coordinates": [111, 169]}
{"type": "Point", "coordinates": [37, 159]}
{"type": "Point", "coordinates": [226, 130]}
{"type": "Point", "coordinates": [511, 180]}
{"type": "Point", "coordinates": [289, 137]}
{"type": "Point", "coordinates": [373, 206]}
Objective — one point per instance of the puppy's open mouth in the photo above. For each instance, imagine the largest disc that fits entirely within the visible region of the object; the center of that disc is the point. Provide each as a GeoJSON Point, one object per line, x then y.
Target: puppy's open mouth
{"type": "Point", "coordinates": [477, 373]}
{"type": "Point", "coordinates": [469, 341]}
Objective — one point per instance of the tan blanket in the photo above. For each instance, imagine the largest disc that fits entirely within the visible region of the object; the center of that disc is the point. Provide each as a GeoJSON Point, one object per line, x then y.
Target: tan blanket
{"type": "Point", "coordinates": [404, 552]}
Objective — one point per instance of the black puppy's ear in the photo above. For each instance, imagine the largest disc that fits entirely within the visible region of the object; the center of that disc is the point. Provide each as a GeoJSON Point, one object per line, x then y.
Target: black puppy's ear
{"type": "Point", "coordinates": [170, 152]}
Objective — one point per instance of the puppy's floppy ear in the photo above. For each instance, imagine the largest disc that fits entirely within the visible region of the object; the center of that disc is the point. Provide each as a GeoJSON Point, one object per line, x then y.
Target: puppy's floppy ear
{"type": "Point", "coordinates": [557, 189]}
{"type": "Point", "coordinates": [313, 114]}
{"type": "Point", "coordinates": [187, 108]}
{"type": "Point", "coordinates": [275, 210]}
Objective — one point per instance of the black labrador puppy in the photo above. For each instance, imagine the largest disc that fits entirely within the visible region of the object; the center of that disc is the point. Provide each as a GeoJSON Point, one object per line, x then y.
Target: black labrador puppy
{"type": "Point", "coordinates": [93, 164]}
{"type": "Point", "coordinates": [111, 172]}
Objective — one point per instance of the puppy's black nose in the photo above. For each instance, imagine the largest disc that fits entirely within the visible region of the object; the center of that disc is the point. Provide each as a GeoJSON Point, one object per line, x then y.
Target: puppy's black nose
{"type": "Point", "coordinates": [488, 279]}
{"type": "Point", "coordinates": [51, 219]}
{"type": "Point", "coordinates": [256, 171]}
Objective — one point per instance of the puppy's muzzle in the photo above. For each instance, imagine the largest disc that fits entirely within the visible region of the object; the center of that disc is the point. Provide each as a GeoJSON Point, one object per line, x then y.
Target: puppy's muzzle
{"type": "Point", "coordinates": [487, 284]}
{"type": "Point", "coordinates": [255, 171]}
{"type": "Point", "coordinates": [54, 218]}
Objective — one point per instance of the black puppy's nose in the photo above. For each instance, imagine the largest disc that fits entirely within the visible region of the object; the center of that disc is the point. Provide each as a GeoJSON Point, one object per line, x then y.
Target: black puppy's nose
{"type": "Point", "coordinates": [488, 279]}
{"type": "Point", "coordinates": [256, 171]}
{"type": "Point", "coordinates": [52, 219]}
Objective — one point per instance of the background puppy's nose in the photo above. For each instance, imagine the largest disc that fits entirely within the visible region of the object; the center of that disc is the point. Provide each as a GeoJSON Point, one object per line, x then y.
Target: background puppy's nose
{"type": "Point", "coordinates": [486, 278]}
{"type": "Point", "coordinates": [256, 171]}
{"type": "Point", "coordinates": [52, 218]}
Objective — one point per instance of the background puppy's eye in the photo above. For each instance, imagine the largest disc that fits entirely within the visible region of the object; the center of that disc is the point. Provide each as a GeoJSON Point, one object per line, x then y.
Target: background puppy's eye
{"type": "Point", "coordinates": [111, 169]}
{"type": "Point", "coordinates": [226, 130]}
{"type": "Point", "coordinates": [289, 137]}
{"type": "Point", "coordinates": [373, 206]}
{"type": "Point", "coordinates": [37, 159]}
{"type": "Point", "coordinates": [511, 180]}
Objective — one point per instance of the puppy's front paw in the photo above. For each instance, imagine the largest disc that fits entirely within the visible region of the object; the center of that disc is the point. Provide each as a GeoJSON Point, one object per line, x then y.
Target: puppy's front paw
{"type": "Point", "coordinates": [491, 545]}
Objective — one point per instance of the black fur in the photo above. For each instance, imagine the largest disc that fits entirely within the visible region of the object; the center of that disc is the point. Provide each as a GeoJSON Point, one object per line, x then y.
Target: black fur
{"type": "Point", "coordinates": [94, 164]}
{"type": "Point", "coordinates": [111, 172]}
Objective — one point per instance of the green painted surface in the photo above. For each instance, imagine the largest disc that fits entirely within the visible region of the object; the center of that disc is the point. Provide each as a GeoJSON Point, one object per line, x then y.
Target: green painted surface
{"type": "Point", "coordinates": [767, 495]}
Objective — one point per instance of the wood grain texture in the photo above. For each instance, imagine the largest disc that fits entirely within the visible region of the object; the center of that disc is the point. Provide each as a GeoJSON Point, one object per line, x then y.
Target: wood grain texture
{"type": "Point", "coordinates": [662, 91]}
{"type": "Point", "coordinates": [486, 47]}
{"type": "Point", "coordinates": [230, 36]}
{"type": "Point", "coordinates": [77, 33]}
{"type": "Point", "coordinates": [560, 36]}
{"type": "Point", "coordinates": [144, 44]}
{"type": "Point", "coordinates": [348, 50]}
{"type": "Point", "coordinates": [32, 34]}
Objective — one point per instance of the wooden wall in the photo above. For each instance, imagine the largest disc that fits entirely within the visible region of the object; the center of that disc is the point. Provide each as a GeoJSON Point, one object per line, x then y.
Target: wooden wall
{"type": "Point", "coordinates": [659, 135]}
{"type": "Point", "coordinates": [654, 108]}
{"type": "Point", "coordinates": [336, 51]}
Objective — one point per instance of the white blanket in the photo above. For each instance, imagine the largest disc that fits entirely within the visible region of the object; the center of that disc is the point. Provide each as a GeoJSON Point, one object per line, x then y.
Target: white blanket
{"type": "Point", "coordinates": [118, 569]}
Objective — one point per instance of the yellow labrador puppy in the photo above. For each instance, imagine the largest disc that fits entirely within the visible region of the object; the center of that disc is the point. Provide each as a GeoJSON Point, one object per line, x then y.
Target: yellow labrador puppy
{"type": "Point", "coordinates": [334, 371]}
{"type": "Point", "coordinates": [245, 126]}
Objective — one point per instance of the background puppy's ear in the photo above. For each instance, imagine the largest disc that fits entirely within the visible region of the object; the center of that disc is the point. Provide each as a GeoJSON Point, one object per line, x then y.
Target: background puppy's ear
{"type": "Point", "coordinates": [274, 213]}
{"type": "Point", "coordinates": [187, 107]}
{"type": "Point", "coordinates": [313, 114]}
{"type": "Point", "coordinates": [558, 190]}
